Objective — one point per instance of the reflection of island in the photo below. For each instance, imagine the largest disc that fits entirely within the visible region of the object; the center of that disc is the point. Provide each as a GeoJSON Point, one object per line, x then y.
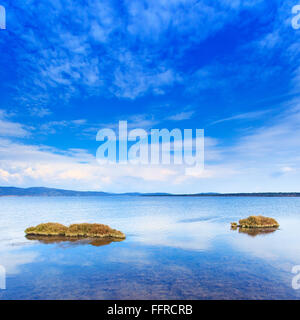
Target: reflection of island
{"type": "Point", "coordinates": [72, 241]}
{"type": "Point", "coordinates": [256, 232]}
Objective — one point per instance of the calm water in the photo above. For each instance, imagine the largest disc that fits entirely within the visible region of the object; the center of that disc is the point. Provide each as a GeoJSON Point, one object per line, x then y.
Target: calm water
{"type": "Point", "coordinates": [176, 248]}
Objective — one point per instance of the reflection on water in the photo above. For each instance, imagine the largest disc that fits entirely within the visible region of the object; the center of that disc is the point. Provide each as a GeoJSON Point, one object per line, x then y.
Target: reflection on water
{"type": "Point", "coordinates": [176, 248]}
{"type": "Point", "coordinates": [72, 241]}
{"type": "Point", "coordinates": [198, 219]}
{"type": "Point", "coordinates": [253, 232]}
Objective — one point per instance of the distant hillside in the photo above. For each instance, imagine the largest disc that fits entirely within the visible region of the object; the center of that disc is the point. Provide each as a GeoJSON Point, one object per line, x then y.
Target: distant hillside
{"type": "Point", "coordinates": [47, 192]}
{"type": "Point", "coordinates": [51, 192]}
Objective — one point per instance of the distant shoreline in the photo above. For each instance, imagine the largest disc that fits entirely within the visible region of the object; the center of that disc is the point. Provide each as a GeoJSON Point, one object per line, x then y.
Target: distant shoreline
{"type": "Point", "coordinates": [266, 195]}
{"type": "Point", "coordinates": [51, 192]}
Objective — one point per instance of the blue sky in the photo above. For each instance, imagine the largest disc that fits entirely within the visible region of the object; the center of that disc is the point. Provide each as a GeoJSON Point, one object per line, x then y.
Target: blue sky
{"type": "Point", "coordinates": [71, 68]}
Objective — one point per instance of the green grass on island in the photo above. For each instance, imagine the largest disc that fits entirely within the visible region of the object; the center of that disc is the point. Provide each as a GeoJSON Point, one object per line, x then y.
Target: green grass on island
{"type": "Point", "coordinates": [256, 222]}
{"type": "Point", "coordinates": [75, 230]}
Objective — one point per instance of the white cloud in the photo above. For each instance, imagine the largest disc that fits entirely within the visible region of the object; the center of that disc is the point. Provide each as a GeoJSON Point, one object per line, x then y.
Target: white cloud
{"type": "Point", "coordinates": [40, 165]}
{"type": "Point", "coordinates": [262, 153]}
{"type": "Point", "coordinates": [287, 169]}
{"type": "Point", "coordinates": [11, 129]}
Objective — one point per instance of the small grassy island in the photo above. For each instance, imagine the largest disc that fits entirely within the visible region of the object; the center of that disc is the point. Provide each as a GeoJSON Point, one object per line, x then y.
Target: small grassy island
{"type": "Point", "coordinates": [82, 230]}
{"type": "Point", "coordinates": [256, 222]}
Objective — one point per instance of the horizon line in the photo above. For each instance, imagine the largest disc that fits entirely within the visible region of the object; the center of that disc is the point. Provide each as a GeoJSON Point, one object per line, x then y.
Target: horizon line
{"type": "Point", "coordinates": [270, 193]}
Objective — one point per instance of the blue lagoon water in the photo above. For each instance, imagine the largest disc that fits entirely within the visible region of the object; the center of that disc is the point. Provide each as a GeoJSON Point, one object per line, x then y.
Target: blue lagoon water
{"type": "Point", "coordinates": [176, 248]}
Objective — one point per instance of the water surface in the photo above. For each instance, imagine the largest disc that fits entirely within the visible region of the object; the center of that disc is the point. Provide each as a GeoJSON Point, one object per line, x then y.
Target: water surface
{"type": "Point", "coordinates": [176, 248]}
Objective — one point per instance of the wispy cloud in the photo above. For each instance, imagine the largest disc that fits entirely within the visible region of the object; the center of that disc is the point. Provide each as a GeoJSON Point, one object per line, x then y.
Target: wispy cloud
{"type": "Point", "coordinates": [101, 49]}
{"type": "Point", "coordinates": [243, 116]}
{"type": "Point", "coordinates": [39, 112]}
{"type": "Point", "coordinates": [185, 115]}
{"type": "Point", "coordinates": [52, 126]}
